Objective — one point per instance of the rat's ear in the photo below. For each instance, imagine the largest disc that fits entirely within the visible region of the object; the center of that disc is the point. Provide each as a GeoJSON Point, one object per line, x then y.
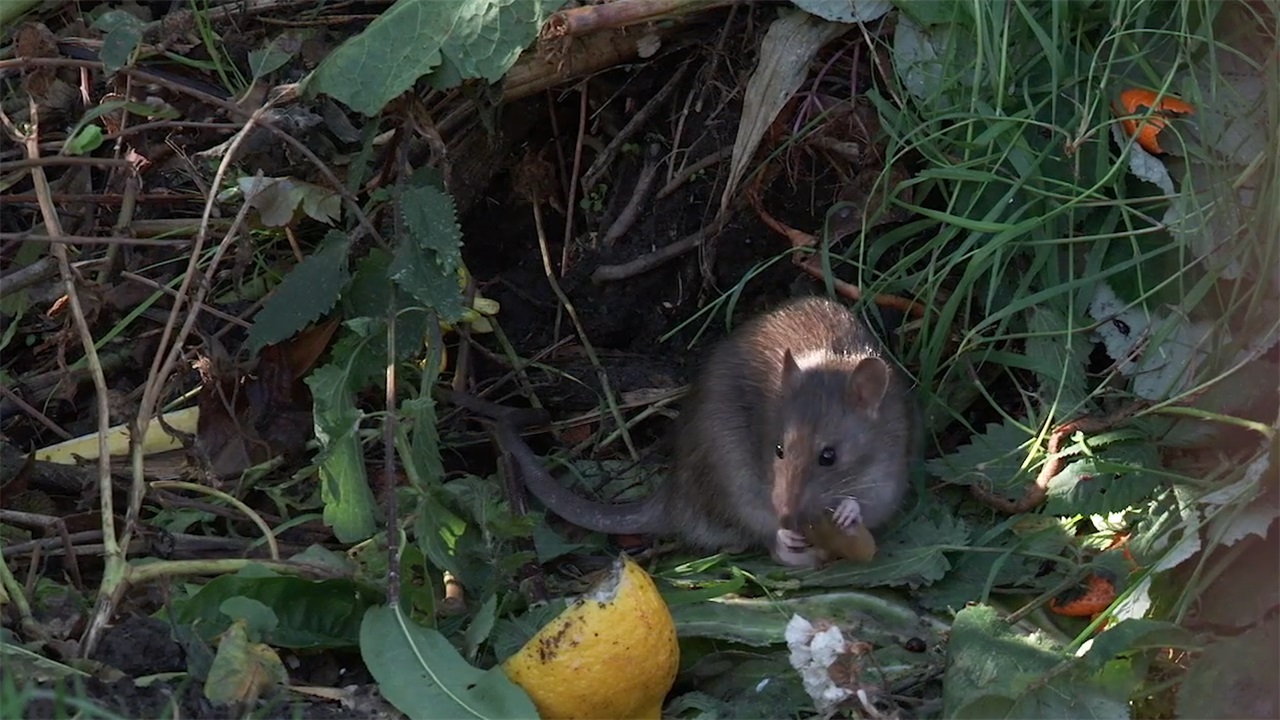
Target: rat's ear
{"type": "Point", "coordinates": [868, 382]}
{"type": "Point", "coordinates": [789, 367]}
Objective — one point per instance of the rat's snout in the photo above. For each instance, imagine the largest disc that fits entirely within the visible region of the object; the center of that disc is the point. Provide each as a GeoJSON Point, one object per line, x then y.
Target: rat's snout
{"type": "Point", "coordinates": [786, 499]}
{"type": "Point", "coordinates": [793, 499]}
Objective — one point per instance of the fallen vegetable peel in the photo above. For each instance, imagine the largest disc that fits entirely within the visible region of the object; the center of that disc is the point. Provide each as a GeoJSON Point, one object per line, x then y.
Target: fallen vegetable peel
{"type": "Point", "coordinates": [156, 440]}
{"type": "Point", "coordinates": [611, 654]}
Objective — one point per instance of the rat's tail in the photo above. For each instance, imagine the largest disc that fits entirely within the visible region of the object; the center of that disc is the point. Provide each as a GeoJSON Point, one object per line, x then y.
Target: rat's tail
{"type": "Point", "coordinates": [644, 517]}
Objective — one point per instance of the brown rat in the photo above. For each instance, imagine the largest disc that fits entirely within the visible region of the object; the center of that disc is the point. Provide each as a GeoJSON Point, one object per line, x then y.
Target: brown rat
{"type": "Point", "coordinates": [798, 411]}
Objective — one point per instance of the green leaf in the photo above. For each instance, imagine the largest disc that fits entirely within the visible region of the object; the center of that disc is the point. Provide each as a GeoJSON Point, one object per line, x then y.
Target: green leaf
{"type": "Point", "coordinates": [257, 617]}
{"type": "Point", "coordinates": [1113, 478]}
{"type": "Point", "coordinates": [427, 259]}
{"type": "Point", "coordinates": [761, 622]}
{"type": "Point", "coordinates": [755, 685]}
{"type": "Point", "coordinates": [124, 32]}
{"type": "Point", "coordinates": [1235, 677]}
{"type": "Point", "coordinates": [368, 295]}
{"type": "Point", "coordinates": [309, 291]}
{"type": "Point", "coordinates": [309, 613]}
{"type": "Point", "coordinates": [277, 199]}
{"type": "Point", "coordinates": [510, 634]}
{"type": "Point", "coordinates": [995, 671]}
{"type": "Point", "coordinates": [1135, 635]}
{"type": "Point", "coordinates": [993, 458]}
{"type": "Point", "coordinates": [437, 532]}
{"type": "Point", "coordinates": [550, 544]}
{"type": "Point", "coordinates": [344, 486]}
{"type": "Point", "coordinates": [274, 54]}
{"type": "Point", "coordinates": [1001, 558]}
{"type": "Point", "coordinates": [1058, 354]}
{"type": "Point", "coordinates": [84, 142]}
{"type": "Point", "coordinates": [423, 676]}
{"type": "Point", "coordinates": [478, 38]}
{"type": "Point", "coordinates": [481, 625]}
{"type": "Point", "coordinates": [242, 670]}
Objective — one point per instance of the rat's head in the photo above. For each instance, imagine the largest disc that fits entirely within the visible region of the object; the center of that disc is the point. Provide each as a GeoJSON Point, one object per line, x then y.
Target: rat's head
{"type": "Point", "coordinates": [825, 432]}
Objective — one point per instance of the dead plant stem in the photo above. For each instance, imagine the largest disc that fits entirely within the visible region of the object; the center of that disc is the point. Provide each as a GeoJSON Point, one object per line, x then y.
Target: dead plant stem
{"type": "Point", "coordinates": [254, 517]}
{"type": "Point", "coordinates": [115, 568]}
{"type": "Point", "coordinates": [601, 375]}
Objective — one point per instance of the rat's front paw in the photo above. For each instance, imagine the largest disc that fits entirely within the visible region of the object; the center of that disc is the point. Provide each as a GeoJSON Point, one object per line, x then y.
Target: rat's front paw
{"type": "Point", "coordinates": [793, 549]}
{"type": "Point", "coordinates": [792, 540]}
{"type": "Point", "coordinates": [847, 514]}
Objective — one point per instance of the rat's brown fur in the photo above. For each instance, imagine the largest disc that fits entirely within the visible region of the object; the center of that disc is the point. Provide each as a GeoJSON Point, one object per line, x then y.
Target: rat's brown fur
{"type": "Point", "coordinates": [807, 376]}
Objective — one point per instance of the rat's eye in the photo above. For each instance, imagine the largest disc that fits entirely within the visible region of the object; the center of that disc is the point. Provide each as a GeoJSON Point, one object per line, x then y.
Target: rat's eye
{"type": "Point", "coordinates": [777, 450]}
{"type": "Point", "coordinates": [827, 456]}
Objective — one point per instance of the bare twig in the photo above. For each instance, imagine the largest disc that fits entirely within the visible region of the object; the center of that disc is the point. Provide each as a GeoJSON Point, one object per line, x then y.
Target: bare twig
{"type": "Point", "coordinates": [94, 240]}
{"type": "Point", "coordinates": [572, 200]}
{"type": "Point", "coordinates": [249, 512]}
{"type": "Point", "coordinates": [62, 161]}
{"type": "Point", "coordinates": [40, 417]}
{"type": "Point", "coordinates": [587, 19]}
{"type": "Point", "coordinates": [605, 159]}
{"type": "Point", "coordinates": [48, 523]}
{"type": "Point", "coordinates": [802, 241]}
{"type": "Point", "coordinates": [639, 196]}
{"type": "Point", "coordinates": [683, 176]}
{"type": "Point", "coordinates": [666, 253]}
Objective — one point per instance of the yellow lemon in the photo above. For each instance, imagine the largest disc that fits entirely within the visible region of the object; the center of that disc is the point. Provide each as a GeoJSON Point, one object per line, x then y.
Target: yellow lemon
{"type": "Point", "coordinates": [611, 654]}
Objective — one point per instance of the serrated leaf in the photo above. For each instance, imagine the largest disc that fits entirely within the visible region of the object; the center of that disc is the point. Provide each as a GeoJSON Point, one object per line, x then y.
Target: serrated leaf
{"type": "Point", "coordinates": [423, 676]}
{"type": "Point", "coordinates": [481, 39]}
{"type": "Point", "coordinates": [993, 458]}
{"type": "Point", "coordinates": [510, 634]}
{"type": "Point", "coordinates": [909, 556]}
{"type": "Point", "coordinates": [1058, 356]}
{"type": "Point", "coordinates": [344, 487]}
{"type": "Point", "coordinates": [367, 296]}
{"type": "Point", "coordinates": [994, 671]}
{"type": "Point", "coordinates": [426, 260]}
{"type": "Point", "coordinates": [1007, 560]}
{"type": "Point", "coordinates": [1114, 478]}
{"type": "Point", "coordinates": [309, 291]}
